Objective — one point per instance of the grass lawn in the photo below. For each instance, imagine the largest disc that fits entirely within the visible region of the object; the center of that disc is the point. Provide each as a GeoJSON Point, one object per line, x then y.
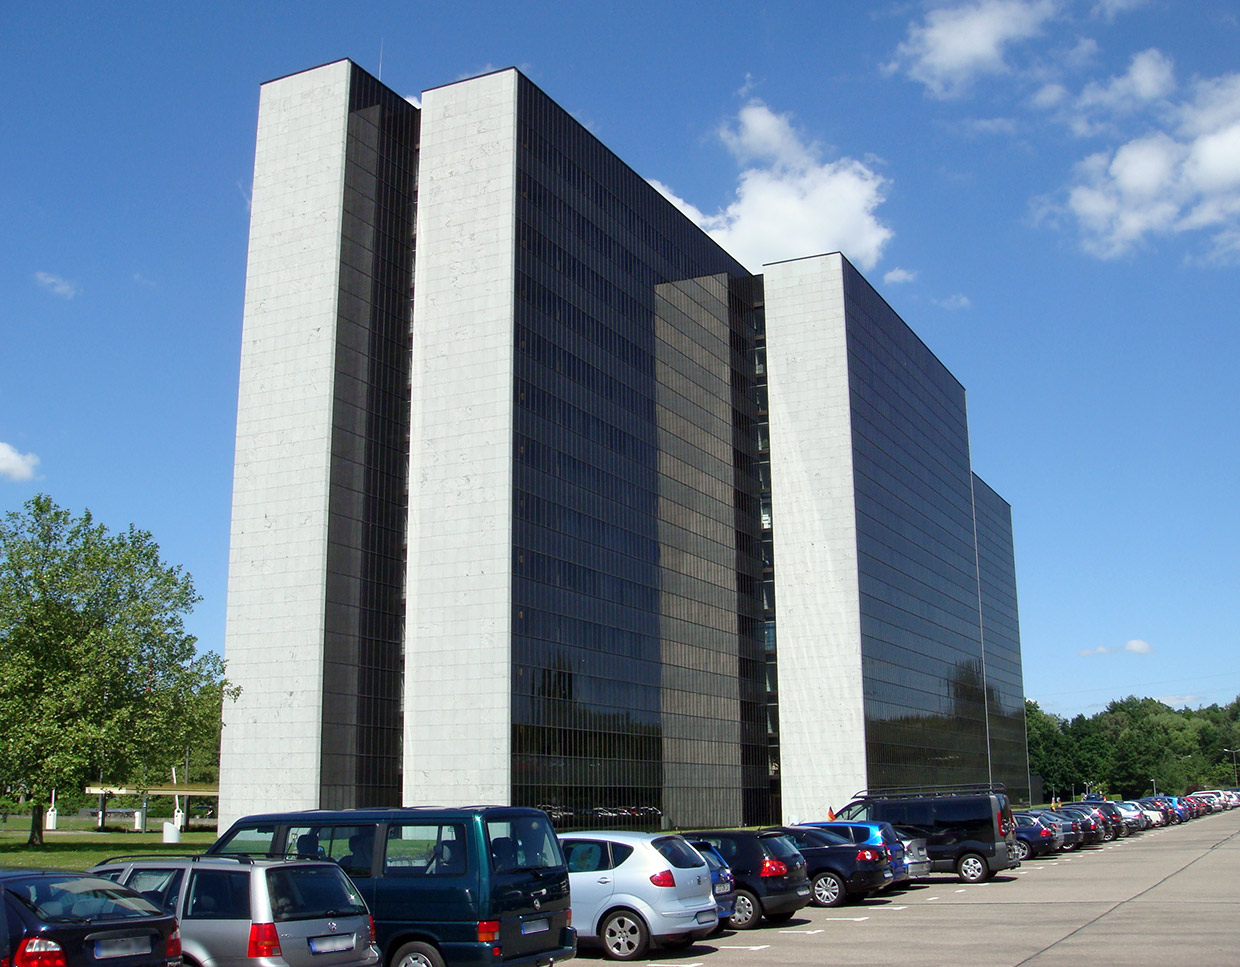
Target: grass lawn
{"type": "Point", "coordinates": [71, 850]}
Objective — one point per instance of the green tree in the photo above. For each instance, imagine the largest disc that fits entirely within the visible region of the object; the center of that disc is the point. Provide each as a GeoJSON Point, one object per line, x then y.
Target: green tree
{"type": "Point", "coordinates": [98, 677]}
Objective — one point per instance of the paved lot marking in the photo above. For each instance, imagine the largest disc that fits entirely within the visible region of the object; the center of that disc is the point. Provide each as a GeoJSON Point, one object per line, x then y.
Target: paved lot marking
{"type": "Point", "coordinates": [801, 931]}
{"type": "Point", "coordinates": [728, 946]}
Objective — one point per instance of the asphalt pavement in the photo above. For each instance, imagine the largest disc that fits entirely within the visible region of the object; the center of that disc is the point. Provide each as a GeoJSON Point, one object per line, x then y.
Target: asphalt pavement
{"type": "Point", "coordinates": [1162, 898]}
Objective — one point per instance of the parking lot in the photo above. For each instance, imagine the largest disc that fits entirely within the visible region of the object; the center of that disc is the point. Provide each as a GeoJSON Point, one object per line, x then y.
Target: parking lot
{"type": "Point", "coordinates": [1164, 897]}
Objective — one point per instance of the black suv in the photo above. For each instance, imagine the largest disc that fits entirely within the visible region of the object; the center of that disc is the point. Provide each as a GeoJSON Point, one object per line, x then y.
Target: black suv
{"type": "Point", "coordinates": [969, 830]}
{"type": "Point", "coordinates": [770, 874]}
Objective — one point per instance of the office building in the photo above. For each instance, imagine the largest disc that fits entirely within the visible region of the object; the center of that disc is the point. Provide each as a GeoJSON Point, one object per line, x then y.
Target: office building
{"type": "Point", "coordinates": [530, 497]}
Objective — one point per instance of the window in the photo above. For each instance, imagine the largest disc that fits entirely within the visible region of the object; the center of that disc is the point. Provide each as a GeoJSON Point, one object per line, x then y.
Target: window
{"type": "Point", "coordinates": [218, 895]}
{"type": "Point", "coordinates": [426, 849]}
{"type": "Point", "coordinates": [677, 852]}
{"type": "Point", "coordinates": [524, 843]}
{"type": "Point", "coordinates": [161, 886]}
{"type": "Point", "coordinates": [255, 840]}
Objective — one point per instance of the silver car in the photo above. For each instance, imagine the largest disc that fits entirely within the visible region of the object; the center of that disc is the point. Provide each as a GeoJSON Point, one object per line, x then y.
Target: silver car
{"type": "Point", "coordinates": [629, 889]}
{"type": "Point", "coordinates": [241, 912]}
{"type": "Point", "coordinates": [915, 854]}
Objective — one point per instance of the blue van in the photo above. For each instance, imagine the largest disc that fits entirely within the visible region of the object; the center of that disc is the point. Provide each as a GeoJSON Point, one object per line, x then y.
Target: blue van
{"type": "Point", "coordinates": [447, 887]}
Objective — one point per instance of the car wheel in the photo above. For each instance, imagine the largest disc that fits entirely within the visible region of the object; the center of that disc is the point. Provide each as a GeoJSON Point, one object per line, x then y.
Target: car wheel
{"type": "Point", "coordinates": [624, 936]}
{"type": "Point", "coordinates": [747, 913]}
{"type": "Point", "coordinates": [1021, 849]}
{"type": "Point", "coordinates": [828, 890]}
{"type": "Point", "coordinates": [417, 955]}
{"type": "Point", "coordinates": [971, 868]}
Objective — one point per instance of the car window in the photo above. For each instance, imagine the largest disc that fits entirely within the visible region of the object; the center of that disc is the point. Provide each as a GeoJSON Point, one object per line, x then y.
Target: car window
{"type": "Point", "coordinates": [586, 856]}
{"type": "Point", "coordinates": [677, 852]}
{"type": "Point", "coordinates": [725, 845]}
{"type": "Point", "coordinates": [218, 895]}
{"type": "Point", "coordinates": [255, 840]}
{"type": "Point", "coordinates": [781, 847]}
{"type": "Point", "coordinates": [161, 886]}
{"type": "Point", "coordinates": [524, 843]}
{"type": "Point", "coordinates": [312, 892]}
{"type": "Point", "coordinates": [426, 849]}
{"type": "Point", "coordinates": [73, 896]}
{"type": "Point", "coordinates": [352, 847]}
{"type": "Point", "coordinates": [818, 837]}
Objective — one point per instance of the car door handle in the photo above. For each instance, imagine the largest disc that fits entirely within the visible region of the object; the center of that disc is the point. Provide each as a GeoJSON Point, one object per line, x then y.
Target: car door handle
{"type": "Point", "coordinates": [604, 879]}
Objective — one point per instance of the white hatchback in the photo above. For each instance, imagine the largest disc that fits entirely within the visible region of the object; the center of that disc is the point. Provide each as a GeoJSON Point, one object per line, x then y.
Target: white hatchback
{"type": "Point", "coordinates": [631, 888]}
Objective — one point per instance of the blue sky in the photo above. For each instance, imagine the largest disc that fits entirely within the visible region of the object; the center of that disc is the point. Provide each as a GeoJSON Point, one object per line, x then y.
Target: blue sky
{"type": "Point", "coordinates": [1047, 191]}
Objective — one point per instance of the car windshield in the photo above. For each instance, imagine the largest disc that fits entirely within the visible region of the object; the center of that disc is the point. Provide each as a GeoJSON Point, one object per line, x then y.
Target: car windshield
{"type": "Point", "coordinates": [78, 899]}
{"type": "Point", "coordinates": [677, 852]}
{"type": "Point", "coordinates": [312, 892]}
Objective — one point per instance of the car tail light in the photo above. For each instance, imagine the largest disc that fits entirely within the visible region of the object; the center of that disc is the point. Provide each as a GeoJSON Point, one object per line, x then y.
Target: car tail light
{"type": "Point", "coordinates": [174, 944]}
{"type": "Point", "coordinates": [264, 942]}
{"type": "Point", "coordinates": [488, 931]}
{"type": "Point", "coordinates": [372, 929]}
{"type": "Point", "coordinates": [868, 856]}
{"type": "Point", "coordinates": [39, 952]}
{"type": "Point", "coordinates": [568, 917]}
{"type": "Point", "coordinates": [773, 868]}
{"type": "Point", "coordinates": [1044, 833]}
{"type": "Point", "coordinates": [664, 878]}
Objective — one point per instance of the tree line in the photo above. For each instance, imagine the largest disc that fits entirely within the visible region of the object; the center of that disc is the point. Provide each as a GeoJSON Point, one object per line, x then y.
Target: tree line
{"type": "Point", "coordinates": [1134, 747]}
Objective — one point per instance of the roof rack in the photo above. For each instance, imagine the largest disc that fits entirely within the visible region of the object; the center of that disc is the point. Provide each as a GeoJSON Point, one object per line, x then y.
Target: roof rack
{"type": "Point", "coordinates": [908, 792]}
{"type": "Point", "coordinates": [194, 857]}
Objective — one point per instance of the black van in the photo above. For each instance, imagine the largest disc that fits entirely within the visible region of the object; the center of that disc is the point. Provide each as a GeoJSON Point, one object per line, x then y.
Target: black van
{"type": "Point", "coordinates": [969, 830]}
{"type": "Point", "coordinates": [448, 887]}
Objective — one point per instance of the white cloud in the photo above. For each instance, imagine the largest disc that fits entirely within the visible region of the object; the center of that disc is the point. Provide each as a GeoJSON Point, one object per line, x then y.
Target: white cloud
{"type": "Point", "coordinates": [1110, 9]}
{"type": "Point", "coordinates": [789, 202]}
{"type": "Point", "coordinates": [1150, 78]}
{"type": "Point", "coordinates": [1182, 176]}
{"type": "Point", "coordinates": [16, 466]}
{"type": "Point", "coordinates": [56, 285]}
{"type": "Point", "coordinates": [1086, 652]}
{"type": "Point", "coordinates": [1138, 647]}
{"type": "Point", "coordinates": [898, 276]}
{"type": "Point", "coordinates": [956, 301]}
{"type": "Point", "coordinates": [414, 100]}
{"type": "Point", "coordinates": [957, 44]}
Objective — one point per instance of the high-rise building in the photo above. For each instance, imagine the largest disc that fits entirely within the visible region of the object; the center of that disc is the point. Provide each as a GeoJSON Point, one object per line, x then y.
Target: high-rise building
{"type": "Point", "coordinates": [540, 495]}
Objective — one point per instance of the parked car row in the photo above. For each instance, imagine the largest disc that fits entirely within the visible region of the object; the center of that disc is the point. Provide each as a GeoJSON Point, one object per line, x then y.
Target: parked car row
{"type": "Point", "coordinates": [433, 887]}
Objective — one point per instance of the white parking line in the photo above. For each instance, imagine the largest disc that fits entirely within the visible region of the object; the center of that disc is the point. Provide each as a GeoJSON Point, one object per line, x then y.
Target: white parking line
{"type": "Point", "coordinates": [845, 919]}
{"type": "Point", "coordinates": [929, 898]}
{"type": "Point", "coordinates": [728, 946]}
{"type": "Point", "coordinates": [962, 891]}
{"type": "Point", "coordinates": [801, 931]}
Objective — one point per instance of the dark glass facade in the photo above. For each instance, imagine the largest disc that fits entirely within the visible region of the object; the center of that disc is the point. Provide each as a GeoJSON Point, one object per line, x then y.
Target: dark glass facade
{"type": "Point", "coordinates": [921, 649]}
{"type": "Point", "coordinates": [1005, 690]}
{"type": "Point", "coordinates": [364, 618]}
{"type": "Point", "coordinates": [635, 648]}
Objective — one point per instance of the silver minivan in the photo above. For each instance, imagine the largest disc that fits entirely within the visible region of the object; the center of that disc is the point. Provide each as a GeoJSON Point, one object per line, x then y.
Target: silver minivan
{"type": "Point", "coordinates": [243, 912]}
{"type": "Point", "coordinates": [630, 889]}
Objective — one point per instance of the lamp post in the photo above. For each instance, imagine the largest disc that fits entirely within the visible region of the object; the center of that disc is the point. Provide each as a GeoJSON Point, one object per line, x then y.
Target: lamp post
{"type": "Point", "coordinates": [1155, 782]}
{"type": "Point", "coordinates": [1235, 775]}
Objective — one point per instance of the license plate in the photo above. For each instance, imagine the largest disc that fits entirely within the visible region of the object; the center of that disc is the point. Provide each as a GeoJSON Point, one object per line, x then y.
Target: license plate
{"type": "Point", "coordinates": [536, 926]}
{"type": "Point", "coordinates": [332, 944]}
{"type": "Point", "coordinates": [122, 947]}
{"type": "Point", "coordinates": [802, 891]}
{"type": "Point", "coordinates": [887, 874]}
{"type": "Point", "coordinates": [707, 916]}
{"type": "Point", "coordinates": [723, 888]}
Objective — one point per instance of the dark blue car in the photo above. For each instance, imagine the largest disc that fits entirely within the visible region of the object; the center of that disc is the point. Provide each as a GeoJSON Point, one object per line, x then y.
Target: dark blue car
{"type": "Point", "coordinates": [720, 880]}
{"type": "Point", "coordinates": [839, 869]}
{"type": "Point", "coordinates": [880, 835]}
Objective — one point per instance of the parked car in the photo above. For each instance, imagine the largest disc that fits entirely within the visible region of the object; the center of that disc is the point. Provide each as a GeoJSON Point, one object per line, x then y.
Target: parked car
{"type": "Point", "coordinates": [1110, 819]}
{"type": "Point", "coordinates": [1093, 830]}
{"type": "Point", "coordinates": [770, 874]}
{"type": "Point", "coordinates": [231, 908]}
{"type": "Point", "coordinates": [968, 830]}
{"type": "Point", "coordinates": [879, 835]}
{"type": "Point", "coordinates": [1068, 827]}
{"type": "Point", "coordinates": [840, 870]}
{"type": "Point", "coordinates": [1034, 837]}
{"type": "Point", "coordinates": [65, 919]}
{"type": "Point", "coordinates": [916, 855]}
{"type": "Point", "coordinates": [720, 880]}
{"type": "Point", "coordinates": [448, 887]}
{"type": "Point", "coordinates": [633, 888]}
